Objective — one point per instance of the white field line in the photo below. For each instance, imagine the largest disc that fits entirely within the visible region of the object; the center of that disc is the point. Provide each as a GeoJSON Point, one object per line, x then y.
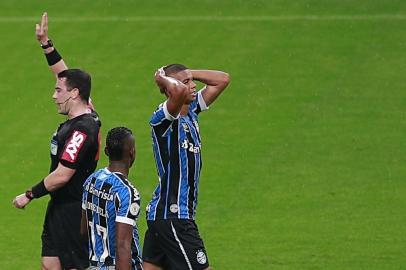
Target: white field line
{"type": "Point", "coordinates": [378, 17]}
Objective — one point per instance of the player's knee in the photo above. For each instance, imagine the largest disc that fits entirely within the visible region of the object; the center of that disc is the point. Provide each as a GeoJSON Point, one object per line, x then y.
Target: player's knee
{"type": "Point", "coordinates": [50, 263]}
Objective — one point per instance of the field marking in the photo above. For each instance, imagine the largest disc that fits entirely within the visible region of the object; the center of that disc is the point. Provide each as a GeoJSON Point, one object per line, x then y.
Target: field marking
{"type": "Point", "coordinates": [378, 17]}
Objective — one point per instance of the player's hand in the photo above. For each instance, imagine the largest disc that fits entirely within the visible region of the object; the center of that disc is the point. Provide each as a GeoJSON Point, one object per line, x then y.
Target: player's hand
{"type": "Point", "coordinates": [159, 74]}
{"type": "Point", "coordinates": [21, 201]}
{"type": "Point", "coordinates": [41, 30]}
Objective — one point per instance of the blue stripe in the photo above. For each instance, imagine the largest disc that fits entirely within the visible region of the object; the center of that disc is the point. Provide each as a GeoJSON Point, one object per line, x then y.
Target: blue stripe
{"type": "Point", "coordinates": [183, 193]}
{"type": "Point", "coordinates": [157, 117]}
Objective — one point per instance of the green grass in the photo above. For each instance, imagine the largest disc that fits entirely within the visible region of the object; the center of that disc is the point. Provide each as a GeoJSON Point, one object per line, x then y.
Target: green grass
{"type": "Point", "coordinates": [303, 154]}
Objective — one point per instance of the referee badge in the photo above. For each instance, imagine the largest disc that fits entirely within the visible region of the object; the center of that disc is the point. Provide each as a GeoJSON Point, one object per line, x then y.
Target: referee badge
{"type": "Point", "coordinates": [54, 147]}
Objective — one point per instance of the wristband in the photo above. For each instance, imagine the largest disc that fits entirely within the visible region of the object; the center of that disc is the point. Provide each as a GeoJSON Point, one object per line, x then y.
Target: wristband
{"type": "Point", "coordinates": [39, 190]}
{"type": "Point", "coordinates": [53, 57]}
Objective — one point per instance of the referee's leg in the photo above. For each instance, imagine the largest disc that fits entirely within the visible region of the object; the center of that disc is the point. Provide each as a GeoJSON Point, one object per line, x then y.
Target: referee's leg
{"type": "Point", "coordinates": [50, 263]}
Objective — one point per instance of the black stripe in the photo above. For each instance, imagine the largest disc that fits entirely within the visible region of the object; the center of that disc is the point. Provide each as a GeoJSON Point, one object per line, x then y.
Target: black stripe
{"type": "Point", "coordinates": [106, 187]}
{"type": "Point", "coordinates": [174, 170]}
{"type": "Point", "coordinates": [89, 215]}
{"type": "Point", "coordinates": [164, 153]}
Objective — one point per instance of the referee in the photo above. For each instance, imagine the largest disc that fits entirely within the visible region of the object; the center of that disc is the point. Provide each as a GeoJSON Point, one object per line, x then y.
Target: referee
{"type": "Point", "coordinates": [172, 240]}
{"type": "Point", "coordinates": [74, 155]}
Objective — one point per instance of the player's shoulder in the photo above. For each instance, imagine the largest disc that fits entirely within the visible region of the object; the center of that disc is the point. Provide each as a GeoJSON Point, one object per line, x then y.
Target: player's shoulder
{"type": "Point", "coordinates": [125, 185]}
{"type": "Point", "coordinates": [87, 124]}
{"type": "Point", "coordinates": [159, 108]}
{"type": "Point", "coordinates": [100, 173]}
{"type": "Point", "coordinates": [88, 121]}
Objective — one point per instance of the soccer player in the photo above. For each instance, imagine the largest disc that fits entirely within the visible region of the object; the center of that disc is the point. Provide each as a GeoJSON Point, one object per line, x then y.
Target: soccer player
{"type": "Point", "coordinates": [74, 155]}
{"type": "Point", "coordinates": [172, 240]}
{"type": "Point", "coordinates": [111, 206]}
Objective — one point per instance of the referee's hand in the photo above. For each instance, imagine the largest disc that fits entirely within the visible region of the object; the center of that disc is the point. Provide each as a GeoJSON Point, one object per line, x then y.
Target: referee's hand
{"type": "Point", "coordinates": [21, 201]}
{"type": "Point", "coordinates": [41, 30]}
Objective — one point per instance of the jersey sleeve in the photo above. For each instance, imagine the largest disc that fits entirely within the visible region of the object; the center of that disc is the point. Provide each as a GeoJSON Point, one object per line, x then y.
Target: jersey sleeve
{"type": "Point", "coordinates": [198, 105]}
{"type": "Point", "coordinates": [162, 115]}
{"type": "Point", "coordinates": [128, 201]}
{"type": "Point", "coordinates": [76, 147]}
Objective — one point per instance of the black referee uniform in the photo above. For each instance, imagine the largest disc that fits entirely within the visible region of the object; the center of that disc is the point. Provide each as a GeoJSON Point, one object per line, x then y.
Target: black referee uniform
{"type": "Point", "coordinates": [75, 145]}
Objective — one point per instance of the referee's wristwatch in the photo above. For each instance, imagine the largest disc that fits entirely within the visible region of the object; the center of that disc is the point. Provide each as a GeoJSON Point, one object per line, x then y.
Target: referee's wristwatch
{"type": "Point", "coordinates": [29, 194]}
{"type": "Point", "coordinates": [47, 45]}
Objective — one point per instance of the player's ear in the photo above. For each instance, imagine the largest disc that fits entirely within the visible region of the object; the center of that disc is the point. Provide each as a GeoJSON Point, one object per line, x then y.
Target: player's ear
{"type": "Point", "coordinates": [75, 93]}
{"type": "Point", "coordinates": [132, 155]}
{"type": "Point", "coordinates": [106, 151]}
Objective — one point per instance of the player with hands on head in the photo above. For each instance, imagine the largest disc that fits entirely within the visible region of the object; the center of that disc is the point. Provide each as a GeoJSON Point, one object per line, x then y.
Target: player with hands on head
{"type": "Point", "coordinates": [172, 240]}
{"type": "Point", "coordinates": [74, 156]}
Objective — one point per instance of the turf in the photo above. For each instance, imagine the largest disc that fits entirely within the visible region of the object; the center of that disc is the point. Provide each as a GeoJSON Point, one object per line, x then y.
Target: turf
{"type": "Point", "coordinates": [303, 154]}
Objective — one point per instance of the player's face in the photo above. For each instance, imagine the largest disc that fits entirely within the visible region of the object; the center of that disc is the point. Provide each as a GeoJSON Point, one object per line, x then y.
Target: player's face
{"type": "Point", "coordinates": [185, 76]}
{"type": "Point", "coordinates": [62, 96]}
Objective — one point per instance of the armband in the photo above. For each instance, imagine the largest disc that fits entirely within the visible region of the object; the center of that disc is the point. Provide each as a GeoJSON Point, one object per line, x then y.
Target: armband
{"type": "Point", "coordinates": [39, 190]}
{"type": "Point", "coordinates": [53, 57]}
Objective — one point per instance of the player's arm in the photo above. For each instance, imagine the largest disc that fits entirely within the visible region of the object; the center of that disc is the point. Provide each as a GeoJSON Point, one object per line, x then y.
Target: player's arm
{"type": "Point", "coordinates": [215, 81]}
{"type": "Point", "coordinates": [173, 89]}
{"type": "Point", "coordinates": [123, 245]}
{"type": "Point", "coordinates": [55, 180]}
{"type": "Point", "coordinates": [83, 223]}
{"type": "Point", "coordinates": [54, 59]}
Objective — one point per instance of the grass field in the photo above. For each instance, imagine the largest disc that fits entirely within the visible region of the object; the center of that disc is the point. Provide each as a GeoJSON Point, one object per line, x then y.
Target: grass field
{"type": "Point", "coordinates": [304, 154]}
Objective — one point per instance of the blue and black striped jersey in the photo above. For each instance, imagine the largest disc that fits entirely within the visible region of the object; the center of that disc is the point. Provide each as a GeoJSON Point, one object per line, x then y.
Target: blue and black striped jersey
{"type": "Point", "coordinates": [176, 146]}
{"type": "Point", "coordinates": [109, 198]}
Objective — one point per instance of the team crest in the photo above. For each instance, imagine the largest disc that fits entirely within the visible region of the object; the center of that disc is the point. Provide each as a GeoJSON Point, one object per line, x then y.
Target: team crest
{"type": "Point", "coordinates": [185, 127]}
{"type": "Point", "coordinates": [201, 257]}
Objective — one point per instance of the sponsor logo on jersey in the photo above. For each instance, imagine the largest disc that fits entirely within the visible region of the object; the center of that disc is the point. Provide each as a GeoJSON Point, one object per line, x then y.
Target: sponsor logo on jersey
{"type": "Point", "coordinates": [73, 147]}
{"type": "Point", "coordinates": [98, 193]}
{"type": "Point", "coordinates": [201, 257]}
{"type": "Point", "coordinates": [190, 146]}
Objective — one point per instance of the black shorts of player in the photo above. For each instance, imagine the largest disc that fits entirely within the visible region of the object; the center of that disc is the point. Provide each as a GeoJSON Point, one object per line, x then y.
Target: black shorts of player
{"type": "Point", "coordinates": [61, 235]}
{"type": "Point", "coordinates": [174, 244]}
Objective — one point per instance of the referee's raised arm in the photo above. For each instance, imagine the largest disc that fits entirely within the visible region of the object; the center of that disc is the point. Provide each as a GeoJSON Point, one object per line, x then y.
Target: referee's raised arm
{"type": "Point", "coordinates": [54, 59]}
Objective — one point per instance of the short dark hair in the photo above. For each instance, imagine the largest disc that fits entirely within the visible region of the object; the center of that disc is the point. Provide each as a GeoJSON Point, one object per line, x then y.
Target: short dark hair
{"type": "Point", "coordinates": [174, 68]}
{"type": "Point", "coordinates": [77, 78]}
{"type": "Point", "coordinates": [116, 141]}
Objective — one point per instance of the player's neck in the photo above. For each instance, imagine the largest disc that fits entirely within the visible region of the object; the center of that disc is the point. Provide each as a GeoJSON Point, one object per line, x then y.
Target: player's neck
{"type": "Point", "coordinates": [120, 167]}
{"type": "Point", "coordinates": [185, 109]}
{"type": "Point", "coordinates": [77, 110]}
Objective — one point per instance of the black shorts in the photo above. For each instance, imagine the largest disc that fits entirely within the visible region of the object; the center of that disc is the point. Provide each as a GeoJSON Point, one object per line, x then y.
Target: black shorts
{"type": "Point", "coordinates": [174, 244]}
{"type": "Point", "coordinates": [61, 235]}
